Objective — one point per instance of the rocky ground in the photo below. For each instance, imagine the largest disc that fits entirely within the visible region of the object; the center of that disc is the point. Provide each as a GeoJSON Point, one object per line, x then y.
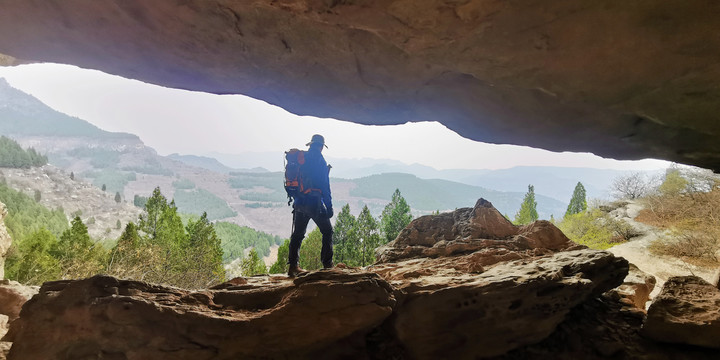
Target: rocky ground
{"type": "Point", "coordinates": [460, 285]}
{"type": "Point", "coordinates": [637, 251]}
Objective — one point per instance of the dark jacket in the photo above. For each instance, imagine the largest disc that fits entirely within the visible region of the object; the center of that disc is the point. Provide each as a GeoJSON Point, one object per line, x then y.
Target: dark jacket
{"type": "Point", "coordinates": [317, 176]}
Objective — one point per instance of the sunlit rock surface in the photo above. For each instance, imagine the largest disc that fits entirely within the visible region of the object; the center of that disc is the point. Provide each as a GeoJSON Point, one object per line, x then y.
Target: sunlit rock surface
{"type": "Point", "coordinates": [623, 79]}
{"type": "Point", "coordinates": [687, 311]}
{"type": "Point", "coordinates": [636, 288]}
{"type": "Point", "coordinates": [486, 298]}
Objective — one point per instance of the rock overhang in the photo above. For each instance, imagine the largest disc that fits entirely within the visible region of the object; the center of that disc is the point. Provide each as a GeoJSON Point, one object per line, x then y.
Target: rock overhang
{"type": "Point", "coordinates": [620, 79]}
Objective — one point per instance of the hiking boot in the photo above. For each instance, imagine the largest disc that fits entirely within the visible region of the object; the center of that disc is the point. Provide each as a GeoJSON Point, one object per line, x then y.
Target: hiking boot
{"type": "Point", "coordinates": [294, 270]}
{"type": "Point", "coordinates": [327, 266]}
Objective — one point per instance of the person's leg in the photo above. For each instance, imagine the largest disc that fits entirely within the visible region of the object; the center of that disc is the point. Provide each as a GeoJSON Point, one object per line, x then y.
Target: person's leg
{"type": "Point", "coordinates": [300, 222]}
{"type": "Point", "coordinates": [326, 254]}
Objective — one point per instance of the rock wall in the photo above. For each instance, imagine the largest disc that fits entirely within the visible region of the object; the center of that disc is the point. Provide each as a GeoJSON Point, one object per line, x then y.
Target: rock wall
{"type": "Point", "coordinates": [624, 79]}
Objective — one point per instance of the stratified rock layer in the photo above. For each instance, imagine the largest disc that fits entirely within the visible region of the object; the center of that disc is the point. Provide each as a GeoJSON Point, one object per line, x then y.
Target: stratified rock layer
{"type": "Point", "coordinates": [459, 297]}
{"type": "Point", "coordinates": [687, 311]}
{"type": "Point", "coordinates": [623, 79]}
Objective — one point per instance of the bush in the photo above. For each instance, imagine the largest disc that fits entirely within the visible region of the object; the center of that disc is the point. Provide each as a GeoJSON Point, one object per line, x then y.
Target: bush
{"type": "Point", "coordinates": [592, 228]}
{"type": "Point", "coordinates": [697, 247]}
{"type": "Point", "coordinates": [693, 221]}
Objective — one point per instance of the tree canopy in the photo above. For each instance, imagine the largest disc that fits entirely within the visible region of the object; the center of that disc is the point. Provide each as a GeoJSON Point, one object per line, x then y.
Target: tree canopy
{"type": "Point", "coordinates": [578, 202]}
{"type": "Point", "coordinates": [395, 217]}
{"type": "Point", "coordinates": [12, 155]}
{"type": "Point", "coordinates": [528, 209]}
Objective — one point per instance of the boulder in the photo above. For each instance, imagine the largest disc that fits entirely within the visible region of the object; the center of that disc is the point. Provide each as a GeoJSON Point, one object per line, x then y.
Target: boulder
{"type": "Point", "coordinates": [448, 313]}
{"type": "Point", "coordinates": [5, 240]}
{"type": "Point", "coordinates": [468, 230]}
{"type": "Point", "coordinates": [12, 297]}
{"type": "Point", "coordinates": [687, 311]}
{"type": "Point", "coordinates": [635, 289]}
{"type": "Point", "coordinates": [104, 317]}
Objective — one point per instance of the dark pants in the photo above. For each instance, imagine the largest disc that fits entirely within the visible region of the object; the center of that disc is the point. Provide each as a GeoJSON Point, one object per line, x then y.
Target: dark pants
{"type": "Point", "coordinates": [300, 222]}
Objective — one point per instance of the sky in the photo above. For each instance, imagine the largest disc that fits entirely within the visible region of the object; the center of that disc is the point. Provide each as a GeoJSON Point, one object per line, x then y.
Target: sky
{"type": "Point", "coordinates": [196, 123]}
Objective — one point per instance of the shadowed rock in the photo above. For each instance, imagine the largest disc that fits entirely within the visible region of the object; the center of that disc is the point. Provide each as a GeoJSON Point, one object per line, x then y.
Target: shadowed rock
{"type": "Point", "coordinates": [687, 311]}
{"type": "Point", "coordinates": [622, 79]}
{"type": "Point", "coordinates": [103, 317]}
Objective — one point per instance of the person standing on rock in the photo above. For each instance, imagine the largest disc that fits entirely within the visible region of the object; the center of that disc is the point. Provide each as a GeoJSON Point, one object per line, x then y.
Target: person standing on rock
{"type": "Point", "coordinates": [315, 205]}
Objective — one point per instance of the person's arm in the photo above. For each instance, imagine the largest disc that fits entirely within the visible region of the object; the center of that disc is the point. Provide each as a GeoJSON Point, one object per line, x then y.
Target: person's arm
{"type": "Point", "coordinates": [326, 194]}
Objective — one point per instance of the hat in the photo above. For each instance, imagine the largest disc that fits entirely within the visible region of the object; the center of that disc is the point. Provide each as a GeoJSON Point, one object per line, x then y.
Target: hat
{"type": "Point", "coordinates": [317, 139]}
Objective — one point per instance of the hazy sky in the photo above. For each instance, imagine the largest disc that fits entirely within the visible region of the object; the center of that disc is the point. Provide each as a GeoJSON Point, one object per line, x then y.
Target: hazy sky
{"type": "Point", "coordinates": [186, 122]}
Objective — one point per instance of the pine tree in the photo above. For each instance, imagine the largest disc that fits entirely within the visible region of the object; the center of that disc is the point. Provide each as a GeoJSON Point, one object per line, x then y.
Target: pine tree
{"type": "Point", "coordinates": [30, 261]}
{"type": "Point", "coordinates": [341, 235]}
{"type": "Point", "coordinates": [367, 232]}
{"type": "Point", "coordinates": [153, 210]}
{"type": "Point", "coordinates": [310, 251]}
{"type": "Point", "coordinates": [203, 254]}
{"type": "Point", "coordinates": [252, 264]}
{"type": "Point", "coordinates": [79, 256]}
{"type": "Point", "coordinates": [280, 266]}
{"type": "Point", "coordinates": [528, 208]}
{"type": "Point", "coordinates": [118, 198]}
{"type": "Point", "coordinates": [578, 203]}
{"type": "Point", "coordinates": [72, 175]}
{"type": "Point", "coordinates": [395, 217]}
{"type": "Point", "coordinates": [104, 187]}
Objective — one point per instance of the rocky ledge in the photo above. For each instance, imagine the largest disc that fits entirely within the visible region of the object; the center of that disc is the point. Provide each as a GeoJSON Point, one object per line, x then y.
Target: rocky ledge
{"type": "Point", "coordinates": [462, 285]}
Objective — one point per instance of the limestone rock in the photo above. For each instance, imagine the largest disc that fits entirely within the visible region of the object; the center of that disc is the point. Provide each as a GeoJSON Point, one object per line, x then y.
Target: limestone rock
{"type": "Point", "coordinates": [454, 315]}
{"type": "Point", "coordinates": [103, 317]}
{"type": "Point", "coordinates": [467, 230]}
{"type": "Point", "coordinates": [687, 311]}
{"type": "Point", "coordinates": [12, 297]}
{"type": "Point", "coordinates": [5, 240]}
{"type": "Point", "coordinates": [4, 345]}
{"type": "Point", "coordinates": [622, 79]}
{"type": "Point", "coordinates": [636, 288]}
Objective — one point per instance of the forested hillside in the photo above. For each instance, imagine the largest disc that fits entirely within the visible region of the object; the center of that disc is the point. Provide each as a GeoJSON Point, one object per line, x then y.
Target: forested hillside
{"type": "Point", "coordinates": [24, 115]}
{"type": "Point", "coordinates": [14, 156]}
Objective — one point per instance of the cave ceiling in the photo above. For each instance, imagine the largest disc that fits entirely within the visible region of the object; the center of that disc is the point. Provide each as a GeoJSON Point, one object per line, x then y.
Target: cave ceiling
{"type": "Point", "coordinates": [621, 79]}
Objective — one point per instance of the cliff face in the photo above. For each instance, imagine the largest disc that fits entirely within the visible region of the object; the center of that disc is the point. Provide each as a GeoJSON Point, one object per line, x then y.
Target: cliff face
{"type": "Point", "coordinates": [625, 79]}
{"type": "Point", "coordinates": [473, 296]}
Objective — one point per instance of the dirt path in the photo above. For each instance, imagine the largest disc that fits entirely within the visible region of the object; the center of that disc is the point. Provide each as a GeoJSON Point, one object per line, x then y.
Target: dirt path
{"type": "Point", "coordinates": [636, 251]}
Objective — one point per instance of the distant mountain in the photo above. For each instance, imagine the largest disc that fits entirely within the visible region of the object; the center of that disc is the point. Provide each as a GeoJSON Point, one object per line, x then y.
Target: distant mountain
{"type": "Point", "coordinates": [24, 115]}
{"type": "Point", "coordinates": [204, 162]}
{"type": "Point", "coordinates": [429, 195]}
{"type": "Point", "coordinates": [553, 182]}
{"type": "Point", "coordinates": [257, 161]}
